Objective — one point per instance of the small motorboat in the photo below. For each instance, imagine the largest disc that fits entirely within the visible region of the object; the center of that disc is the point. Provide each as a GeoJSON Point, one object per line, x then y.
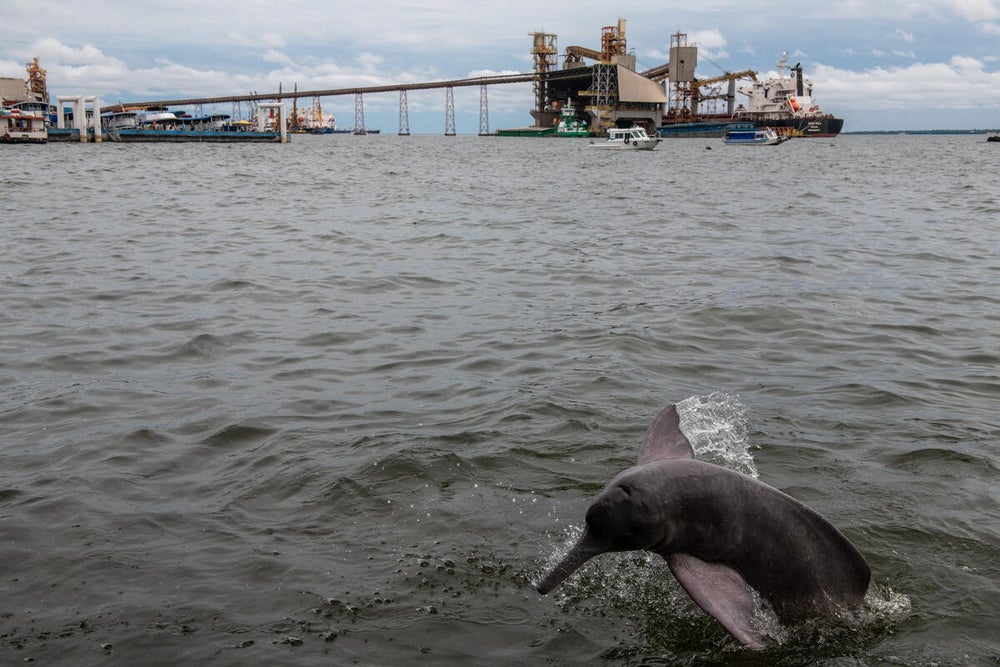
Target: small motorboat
{"type": "Point", "coordinates": [762, 136]}
{"type": "Point", "coordinates": [627, 139]}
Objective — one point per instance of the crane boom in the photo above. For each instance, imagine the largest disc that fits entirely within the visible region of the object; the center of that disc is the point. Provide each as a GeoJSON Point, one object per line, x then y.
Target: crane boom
{"type": "Point", "coordinates": [726, 77]}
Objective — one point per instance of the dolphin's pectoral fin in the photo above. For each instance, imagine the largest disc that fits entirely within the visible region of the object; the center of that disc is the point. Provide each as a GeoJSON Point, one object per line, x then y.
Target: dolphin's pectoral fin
{"type": "Point", "coordinates": [664, 439]}
{"type": "Point", "coordinates": [722, 592]}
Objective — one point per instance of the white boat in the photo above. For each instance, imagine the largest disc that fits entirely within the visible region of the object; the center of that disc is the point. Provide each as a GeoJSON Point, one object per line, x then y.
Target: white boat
{"type": "Point", "coordinates": [157, 119]}
{"type": "Point", "coordinates": [762, 136]}
{"type": "Point", "coordinates": [120, 120]}
{"type": "Point", "coordinates": [627, 139]}
{"type": "Point", "coordinates": [22, 124]}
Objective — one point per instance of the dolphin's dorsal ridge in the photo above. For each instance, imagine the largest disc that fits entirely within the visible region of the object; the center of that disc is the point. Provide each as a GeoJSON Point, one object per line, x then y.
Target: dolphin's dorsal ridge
{"type": "Point", "coordinates": [664, 440]}
{"type": "Point", "coordinates": [722, 592]}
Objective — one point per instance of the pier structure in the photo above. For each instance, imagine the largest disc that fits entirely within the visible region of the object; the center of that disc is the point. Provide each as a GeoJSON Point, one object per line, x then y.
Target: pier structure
{"type": "Point", "coordinates": [79, 110]}
{"type": "Point", "coordinates": [282, 120]}
{"type": "Point", "coordinates": [602, 85]}
{"type": "Point", "coordinates": [607, 93]}
{"type": "Point", "coordinates": [404, 125]}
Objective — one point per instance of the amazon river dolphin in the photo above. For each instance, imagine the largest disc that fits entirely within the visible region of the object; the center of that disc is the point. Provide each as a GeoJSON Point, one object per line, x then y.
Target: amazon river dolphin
{"type": "Point", "coordinates": [721, 532]}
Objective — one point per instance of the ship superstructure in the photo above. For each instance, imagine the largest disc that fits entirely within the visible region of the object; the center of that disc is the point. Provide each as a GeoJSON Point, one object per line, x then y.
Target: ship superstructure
{"type": "Point", "coordinates": [786, 102]}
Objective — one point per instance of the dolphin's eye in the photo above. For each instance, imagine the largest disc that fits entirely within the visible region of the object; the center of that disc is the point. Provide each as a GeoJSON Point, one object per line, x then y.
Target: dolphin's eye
{"type": "Point", "coordinates": [625, 489]}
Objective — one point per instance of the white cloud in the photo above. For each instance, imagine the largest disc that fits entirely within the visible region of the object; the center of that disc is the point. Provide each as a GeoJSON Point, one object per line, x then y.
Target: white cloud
{"type": "Point", "coordinates": [961, 83]}
{"type": "Point", "coordinates": [711, 44]}
{"type": "Point", "coordinates": [975, 10]}
{"type": "Point", "coordinates": [240, 40]}
{"type": "Point", "coordinates": [52, 50]}
{"type": "Point", "coordinates": [707, 39]}
{"type": "Point", "coordinates": [275, 56]}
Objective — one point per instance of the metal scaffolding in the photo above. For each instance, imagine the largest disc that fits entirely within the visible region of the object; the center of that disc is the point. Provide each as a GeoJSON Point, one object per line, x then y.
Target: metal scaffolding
{"type": "Point", "coordinates": [604, 85]}
{"type": "Point", "coordinates": [484, 112]}
{"type": "Point", "coordinates": [359, 114]}
{"type": "Point", "coordinates": [449, 112]}
{"type": "Point", "coordinates": [404, 115]}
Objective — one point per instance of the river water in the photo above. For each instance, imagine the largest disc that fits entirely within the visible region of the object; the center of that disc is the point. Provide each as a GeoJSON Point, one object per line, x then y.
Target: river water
{"type": "Point", "coordinates": [342, 400]}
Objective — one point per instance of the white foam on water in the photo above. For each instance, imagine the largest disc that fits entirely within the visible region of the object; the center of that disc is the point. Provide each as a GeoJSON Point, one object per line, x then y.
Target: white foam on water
{"type": "Point", "coordinates": [716, 427]}
{"type": "Point", "coordinates": [884, 604]}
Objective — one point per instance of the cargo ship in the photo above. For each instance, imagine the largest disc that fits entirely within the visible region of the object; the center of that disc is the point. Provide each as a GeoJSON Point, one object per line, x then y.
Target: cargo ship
{"type": "Point", "coordinates": [784, 103]}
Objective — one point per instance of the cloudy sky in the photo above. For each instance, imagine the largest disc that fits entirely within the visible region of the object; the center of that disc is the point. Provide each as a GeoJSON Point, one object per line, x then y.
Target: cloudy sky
{"type": "Point", "coordinates": [891, 64]}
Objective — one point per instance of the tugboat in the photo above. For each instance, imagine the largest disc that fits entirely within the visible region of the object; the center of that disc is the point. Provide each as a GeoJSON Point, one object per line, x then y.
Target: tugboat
{"type": "Point", "coordinates": [569, 125]}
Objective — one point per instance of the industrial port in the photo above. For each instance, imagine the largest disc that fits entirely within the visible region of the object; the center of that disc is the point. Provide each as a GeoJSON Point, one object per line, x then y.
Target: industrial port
{"type": "Point", "coordinates": [592, 90]}
{"type": "Point", "coordinates": [607, 91]}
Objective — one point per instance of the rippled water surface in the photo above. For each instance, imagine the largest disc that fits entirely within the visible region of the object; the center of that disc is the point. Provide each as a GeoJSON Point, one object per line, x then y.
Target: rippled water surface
{"type": "Point", "coordinates": [342, 400]}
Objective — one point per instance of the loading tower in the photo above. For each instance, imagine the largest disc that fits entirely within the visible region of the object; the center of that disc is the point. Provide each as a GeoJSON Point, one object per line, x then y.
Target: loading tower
{"type": "Point", "coordinates": [36, 82]}
{"type": "Point", "coordinates": [683, 61]}
{"type": "Point", "coordinates": [546, 59]}
{"type": "Point", "coordinates": [613, 42]}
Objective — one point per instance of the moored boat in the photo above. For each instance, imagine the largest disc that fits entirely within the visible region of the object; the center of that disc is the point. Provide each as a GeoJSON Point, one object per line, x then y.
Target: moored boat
{"type": "Point", "coordinates": [20, 124]}
{"type": "Point", "coordinates": [703, 129]}
{"type": "Point", "coordinates": [120, 120]}
{"type": "Point", "coordinates": [159, 125]}
{"type": "Point", "coordinates": [568, 125]}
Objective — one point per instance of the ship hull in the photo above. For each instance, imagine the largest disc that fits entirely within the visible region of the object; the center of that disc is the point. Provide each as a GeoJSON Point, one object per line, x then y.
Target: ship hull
{"type": "Point", "coordinates": [815, 126]}
{"type": "Point", "coordinates": [821, 126]}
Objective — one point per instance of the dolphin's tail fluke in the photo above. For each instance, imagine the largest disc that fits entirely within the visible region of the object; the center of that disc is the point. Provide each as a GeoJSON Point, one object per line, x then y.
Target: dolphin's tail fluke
{"type": "Point", "coordinates": [581, 552]}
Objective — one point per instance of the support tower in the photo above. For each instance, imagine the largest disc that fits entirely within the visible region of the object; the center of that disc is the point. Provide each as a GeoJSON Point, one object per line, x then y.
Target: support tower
{"type": "Point", "coordinates": [546, 57]}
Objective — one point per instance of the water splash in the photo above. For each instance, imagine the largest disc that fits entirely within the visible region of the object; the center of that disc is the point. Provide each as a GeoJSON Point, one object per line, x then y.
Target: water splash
{"type": "Point", "coordinates": [716, 426]}
{"type": "Point", "coordinates": [882, 604]}
{"type": "Point", "coordinates": [766, 621]}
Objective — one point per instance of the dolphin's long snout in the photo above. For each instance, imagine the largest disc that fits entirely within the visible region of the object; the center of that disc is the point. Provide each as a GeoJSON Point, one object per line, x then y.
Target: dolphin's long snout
{"type": "Point", "coordinates": [581, 552]}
